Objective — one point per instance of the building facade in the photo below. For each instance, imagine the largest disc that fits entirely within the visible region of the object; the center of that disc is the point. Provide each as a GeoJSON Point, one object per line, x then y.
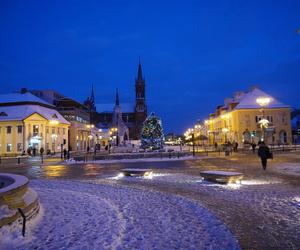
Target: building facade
{"type": "Point", "coordinates": [83, 134]}
{"type": "Point", "coordinates": [28, 123]}
{"type": "Point", "coordinates": [244, 119]}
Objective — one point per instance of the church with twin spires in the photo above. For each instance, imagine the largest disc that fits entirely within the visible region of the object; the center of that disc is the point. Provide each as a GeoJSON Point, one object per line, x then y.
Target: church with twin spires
{"type": "Point", "coordinates": [128, 118]}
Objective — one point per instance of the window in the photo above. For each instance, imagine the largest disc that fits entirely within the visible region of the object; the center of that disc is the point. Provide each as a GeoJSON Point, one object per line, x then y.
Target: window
{"type": "Point", "coordinates": [64, 131]}
{"type": "Point", "coordinates": [35, 130]}
{"type": "Point", "coordinates": [19, 147]}
{"type": "Point", "coordinates": [270, 118]}
{"type": "Point", "coordinates": [58, 130]}
{"type": "Point", "coordinates": [47, 130]}
{"type": "Point", "coordinates": [20, 129]}
{"type": "Point", "coordinates": [8, 147]}
{"type": "Point", "coordinates": [53, 130]}
{"type": "Point", "coordinates": [8, 129]}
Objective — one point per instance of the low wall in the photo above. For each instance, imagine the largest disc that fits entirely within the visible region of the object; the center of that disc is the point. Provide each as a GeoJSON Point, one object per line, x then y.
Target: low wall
{"type": "Point", "coordinates": [15, 194]}
{"type": "Point", "coordinates": [162, 155]}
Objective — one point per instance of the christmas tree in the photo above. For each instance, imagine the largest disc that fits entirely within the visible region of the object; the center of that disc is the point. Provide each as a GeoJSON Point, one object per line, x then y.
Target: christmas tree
{"type": "Point", "coordinates": [152, 133]}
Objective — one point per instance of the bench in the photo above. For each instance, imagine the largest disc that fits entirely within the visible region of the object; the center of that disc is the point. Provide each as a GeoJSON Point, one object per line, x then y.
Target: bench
{"type": "Point", "coordinates": [223, 177]}
{"type": "Point", "coordinates": [136, 172]}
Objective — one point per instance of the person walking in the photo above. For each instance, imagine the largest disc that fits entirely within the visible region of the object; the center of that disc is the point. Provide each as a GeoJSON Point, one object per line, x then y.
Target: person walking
{"type": "Point", "coordinates": [65, 153]}
{"type": "Point", "coordinates": [253, 145]}
{"type": "Point", "coordinates": [264, 154]}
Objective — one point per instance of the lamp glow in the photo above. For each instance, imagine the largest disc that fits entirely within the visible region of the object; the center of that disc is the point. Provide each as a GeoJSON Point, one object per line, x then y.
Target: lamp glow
{"type": "Point", "coordinates": [263, 101]}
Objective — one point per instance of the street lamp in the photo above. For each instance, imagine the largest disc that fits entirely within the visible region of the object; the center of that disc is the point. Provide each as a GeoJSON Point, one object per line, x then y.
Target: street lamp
{"type": "Point", "coordinates": [112, 132]}
{"type": "Point", "coordinates": [90, 127]}
{"type": "Point", "coordinates": [263, 102]}
{"type": "Point", "coordinates": [190, 134]}
{"type": "Point", "coordinates": [225, 131]}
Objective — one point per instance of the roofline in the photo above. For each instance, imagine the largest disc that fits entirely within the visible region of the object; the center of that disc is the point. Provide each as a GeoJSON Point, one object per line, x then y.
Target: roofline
{"type": "Point", "coordinates": [5, 104]}
{"type": "Point", "coordinates": [37, 114]}
{"type": "Point", "coordinates": [264, 108]}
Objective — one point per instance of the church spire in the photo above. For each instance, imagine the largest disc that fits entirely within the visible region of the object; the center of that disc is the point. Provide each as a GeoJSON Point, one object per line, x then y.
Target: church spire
{"type": "Point", "coordinates": [117, 98]}
{"type": "Point", "coordinates": [140, 75]}
{"type": "Point", "coordinates": [92, 95]}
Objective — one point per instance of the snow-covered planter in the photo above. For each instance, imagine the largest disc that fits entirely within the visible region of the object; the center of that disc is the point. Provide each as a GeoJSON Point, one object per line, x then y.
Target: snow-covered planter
{"type": "Point", "coordinates": [15, 194]}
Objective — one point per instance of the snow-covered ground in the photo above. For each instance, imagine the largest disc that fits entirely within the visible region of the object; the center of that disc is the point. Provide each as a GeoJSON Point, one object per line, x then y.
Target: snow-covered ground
{"type": "Point", "coordinates": [78, 215]}
{"type": "Point", "coordinates": [265, 206]}
{"type": "Point", "coordinates": [288, 168]}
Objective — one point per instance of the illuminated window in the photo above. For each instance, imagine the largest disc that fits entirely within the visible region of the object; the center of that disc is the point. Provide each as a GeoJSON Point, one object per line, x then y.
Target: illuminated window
{"type": "Point", "coordinates": [8, 147]}
{"type": "Point", "coordinates": [35, 130]}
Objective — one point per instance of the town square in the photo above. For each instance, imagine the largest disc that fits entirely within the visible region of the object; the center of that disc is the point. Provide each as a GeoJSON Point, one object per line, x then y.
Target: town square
{"type": "Point", "coordinates": [144, 125]}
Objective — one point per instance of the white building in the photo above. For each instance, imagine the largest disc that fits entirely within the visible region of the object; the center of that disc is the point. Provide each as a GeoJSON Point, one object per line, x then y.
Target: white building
{"type": "Point", "coordinates": [26, 121]}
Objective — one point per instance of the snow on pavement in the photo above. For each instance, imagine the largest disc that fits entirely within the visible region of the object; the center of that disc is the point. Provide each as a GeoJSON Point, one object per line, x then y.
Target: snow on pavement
{"type": "Point", "coordinates": [81, 215]}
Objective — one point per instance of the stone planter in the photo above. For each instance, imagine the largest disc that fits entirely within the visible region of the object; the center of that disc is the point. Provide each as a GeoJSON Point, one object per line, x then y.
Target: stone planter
{"type": "Point", "coordinates": [15, 194]}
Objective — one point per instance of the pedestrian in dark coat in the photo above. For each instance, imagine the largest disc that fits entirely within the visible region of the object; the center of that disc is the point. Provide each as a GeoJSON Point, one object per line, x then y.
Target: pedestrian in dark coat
{"type": "Point", "coordinates": [253, 145]}
{"type": "Point", "coordinates": [264, 154]}
{"type": "Point", "coordinates": [65, 153]}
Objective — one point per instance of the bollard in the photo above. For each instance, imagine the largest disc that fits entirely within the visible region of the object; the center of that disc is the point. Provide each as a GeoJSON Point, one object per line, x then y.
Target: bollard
{"type": "Point", "coordinates": [24, 221]}
{"type": "Point", "coordinates": [178, 155]}
{"type": "Point", "coordinates": [19, 160]}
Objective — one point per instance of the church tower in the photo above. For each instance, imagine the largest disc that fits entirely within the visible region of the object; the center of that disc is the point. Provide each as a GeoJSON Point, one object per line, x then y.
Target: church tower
{"type": "Point", "coordinates": [140, 102]}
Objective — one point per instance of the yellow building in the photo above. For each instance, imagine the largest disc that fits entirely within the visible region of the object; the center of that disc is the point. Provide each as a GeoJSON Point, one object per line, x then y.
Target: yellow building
{"type": "Point", "coordinates": [26, 122]}
{"type": "Point", "coordinates": [250, 117]}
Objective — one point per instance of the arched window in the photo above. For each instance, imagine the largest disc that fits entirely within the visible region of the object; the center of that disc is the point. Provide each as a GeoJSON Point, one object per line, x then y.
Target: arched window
{"type": "Point", "coordinates": [283, 137]}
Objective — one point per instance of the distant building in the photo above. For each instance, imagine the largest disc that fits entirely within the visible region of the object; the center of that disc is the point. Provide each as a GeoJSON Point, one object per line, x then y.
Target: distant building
{"type": "Point", "coordinates": [240, 119]}
{"type": "Point", "coordinates": [81, 134]}
{"type": "Point", "coordinates": [28, 122]}
{"type": "Point", "coordinates": [131, 115]}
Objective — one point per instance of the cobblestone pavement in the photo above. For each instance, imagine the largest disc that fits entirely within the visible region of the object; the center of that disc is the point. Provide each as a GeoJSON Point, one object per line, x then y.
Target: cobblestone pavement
{"type": "Point", "coordinates": [263, 212]}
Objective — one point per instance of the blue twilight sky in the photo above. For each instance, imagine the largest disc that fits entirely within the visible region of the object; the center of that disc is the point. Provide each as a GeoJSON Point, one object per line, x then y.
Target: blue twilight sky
{"type": "Point", "coordinates": [193, 53]}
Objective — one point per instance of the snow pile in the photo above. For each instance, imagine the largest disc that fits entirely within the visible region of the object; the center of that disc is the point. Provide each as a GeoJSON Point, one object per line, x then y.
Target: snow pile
{"type": "Point", "coordinates": [296, 201]}
{"type": "Point", "coordinates": [70, 161]}
{"type": "Point", "coordinates": [11, 236]}
{"type": "Point", "coordinates": [6, 212]}
{"type": "Point", "coordinates": [99, 216]}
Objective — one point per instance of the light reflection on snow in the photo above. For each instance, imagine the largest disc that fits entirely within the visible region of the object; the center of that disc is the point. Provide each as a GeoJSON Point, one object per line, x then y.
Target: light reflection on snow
{"type": "Point", "coordinates": [118, 177]}
{"type": "Point", "coordinates": [259, 182]}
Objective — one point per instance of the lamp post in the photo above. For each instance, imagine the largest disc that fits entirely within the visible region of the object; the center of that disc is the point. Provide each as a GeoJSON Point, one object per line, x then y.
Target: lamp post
{"type": "Point", "coordinates": [90, 136]}
{"type": "Point", "coordinates": [225, 131]}
{"type": "Point", "coordinates": [263, 102]}
{"type": "Point", "coordinates": [112, 132]}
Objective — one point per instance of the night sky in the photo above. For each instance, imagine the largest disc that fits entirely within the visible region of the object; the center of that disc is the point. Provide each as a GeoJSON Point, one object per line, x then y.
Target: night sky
{"type": "Point", "coordinates": [193, 53]}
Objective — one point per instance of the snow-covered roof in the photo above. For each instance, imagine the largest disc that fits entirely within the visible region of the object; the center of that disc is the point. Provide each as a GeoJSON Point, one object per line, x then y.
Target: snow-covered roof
{"type": "Point", "coordinates": [21, 98]}
{"type": "Point", "coordinates": [248, 100]}
{"type": "Point", "coordinates": [109, 107]}
{"type": "Point", "coordinates": [21, 112]}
